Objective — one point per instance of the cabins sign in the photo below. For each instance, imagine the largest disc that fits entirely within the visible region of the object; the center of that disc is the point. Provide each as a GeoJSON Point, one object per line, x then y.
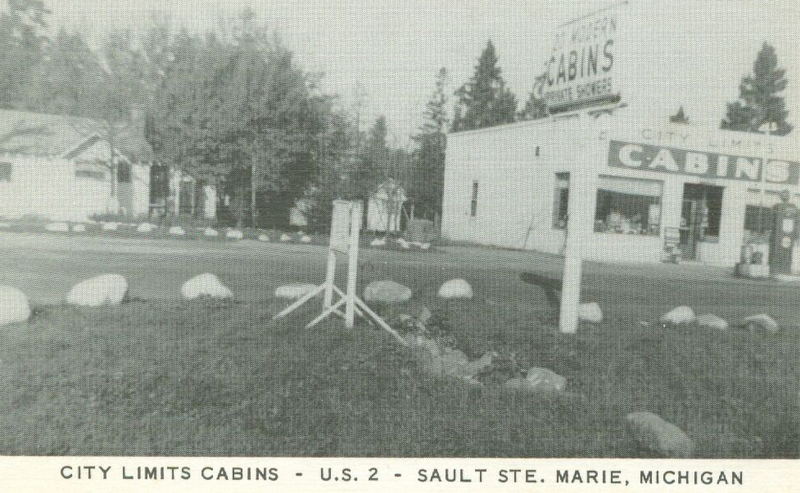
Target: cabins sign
{"type": "Point", "coordinates": [697, 163]}
{"type": "Point", "coordinates": [581, 66]}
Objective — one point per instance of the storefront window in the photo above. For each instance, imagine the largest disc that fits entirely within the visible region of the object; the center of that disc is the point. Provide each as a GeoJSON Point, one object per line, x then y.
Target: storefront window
{"type": "Point", "coordinates": [561, 201]}
{"type": "Point", "coordinates": [628, 206]}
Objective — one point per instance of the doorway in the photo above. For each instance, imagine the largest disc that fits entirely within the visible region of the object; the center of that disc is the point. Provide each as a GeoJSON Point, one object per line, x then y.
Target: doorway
{"type": "Point", "coordinates": [701, 211]}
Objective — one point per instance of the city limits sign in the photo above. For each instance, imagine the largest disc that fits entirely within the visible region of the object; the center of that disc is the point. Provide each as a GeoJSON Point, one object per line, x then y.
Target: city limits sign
{"type": "Point", "coordinates": [581, 66]}
{"type": "Point", "coordinates": [704, 164]}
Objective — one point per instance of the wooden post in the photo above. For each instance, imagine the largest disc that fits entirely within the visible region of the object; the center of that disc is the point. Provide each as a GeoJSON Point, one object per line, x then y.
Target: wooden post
{"type": "Point", "coordinates": [352, 264]}
{"type": "Point", "coordinates": [579, 230]}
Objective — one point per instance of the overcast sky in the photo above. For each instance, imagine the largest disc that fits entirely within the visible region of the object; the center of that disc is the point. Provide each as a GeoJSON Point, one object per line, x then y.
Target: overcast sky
{"type": "Point", "coordinates": [689, 52]}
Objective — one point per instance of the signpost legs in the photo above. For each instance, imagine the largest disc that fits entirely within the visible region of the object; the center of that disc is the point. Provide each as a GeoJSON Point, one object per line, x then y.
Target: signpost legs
{"type": "Point", "coordinates": [330, 273]}
{"type": "Point", "coordinates": [352, 265]}
{"type": "Point", "coordinates": [342, 240]}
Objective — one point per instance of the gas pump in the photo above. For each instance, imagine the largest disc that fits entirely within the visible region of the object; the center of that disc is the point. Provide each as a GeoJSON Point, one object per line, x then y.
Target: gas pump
{"type": "Point", "coordinates": [784, 235]}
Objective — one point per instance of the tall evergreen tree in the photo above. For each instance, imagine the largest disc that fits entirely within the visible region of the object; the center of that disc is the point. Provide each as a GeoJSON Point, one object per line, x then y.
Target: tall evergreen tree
{"type": "Point", "coordinates": [373, 165]}
{"type": "Point", "coordinates": [427, 182]}
{"type": "Point", "coordinates": [759, 97]}
{"type": "Point", "coordinates": [485, 99]}
{"type": "Point", "coordinates": [22, 47]}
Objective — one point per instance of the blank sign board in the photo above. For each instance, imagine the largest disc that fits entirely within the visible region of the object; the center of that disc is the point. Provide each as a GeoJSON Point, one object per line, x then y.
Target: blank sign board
{"type": "Point", "coordinates": [340, 226]}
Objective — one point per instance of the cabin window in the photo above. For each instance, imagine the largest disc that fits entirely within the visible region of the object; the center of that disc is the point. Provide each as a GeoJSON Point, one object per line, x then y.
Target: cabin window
{"type": "Point", "coordinates": [473, 206]}
{"type": "Point", "coordinates": [5, 172]}
{"type": "Point", "coordinates": [88, 173]}
{"type": "Point", "coordinates": [561, 201]}
{"type": "Point", "coordinates": [123, 172]}
{"type": "Point", "coordinates": [628, 206]}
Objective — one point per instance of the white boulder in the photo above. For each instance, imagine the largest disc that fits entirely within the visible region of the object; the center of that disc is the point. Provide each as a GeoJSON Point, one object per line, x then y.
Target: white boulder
{"type": "Point", "coordinates": [653, 433]}
{"type": "Point", "coordinates": [146, 228]}
{"type": "Point", "coordinates": [542, 379]}
{"type": "Point", "coordinates": [387, 292]}
{"type": "Point", "coordinates": [294, 291]}
{"type": "Point", "coordinates": [378, 242]}
{"type": "Point", "coordinates": [678, 315]}
{"type": "Point", "coordinates": [234, 234]}
{"type": "Point", "coordinates": [211, 232]}
{"type": "Point", "coordinates": [425, 246]}
{"type": "Point", "coordinates": [110, 226]}
{"type": "Point", "coordinates": [712, 321]}
{"type": "Point", "coordinates": [14, 306]}
{"type": "Point", "coordinates": [177, 231]}
{"type": "Point", "coordinates": [762, 321]}
{"type": "Point", "coordinates": [285, 237]}
{"type": "Point", "coordinates": [79, 228]}
{"type": "Point", "coordinates": [305, 239]}
{"type": "Point", "coordinates": [57, 227]}
{"type": "Point", "coordinates": [403, 243]}
{"type": "Point", "coordinates": [105, 289]}
{"type": "Point", "coordinates": [263, 237]}
{"type": "Point", "coordinates": [205, 285]}
{"type": "Point", "coordinates": [590, 312]}
{"type": "Point", "coordinates": [455, 288]}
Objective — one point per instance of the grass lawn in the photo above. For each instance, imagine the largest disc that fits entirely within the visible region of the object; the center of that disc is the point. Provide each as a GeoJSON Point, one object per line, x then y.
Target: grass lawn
{"type": "Point", "coordinates": [166, 377]}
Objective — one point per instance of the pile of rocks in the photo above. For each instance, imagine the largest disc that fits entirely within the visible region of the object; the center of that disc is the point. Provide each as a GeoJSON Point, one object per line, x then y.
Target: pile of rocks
{"type": "Point", "coordinates": [401, 243]}
{"type": "Point", "coordinates": [685, 315]}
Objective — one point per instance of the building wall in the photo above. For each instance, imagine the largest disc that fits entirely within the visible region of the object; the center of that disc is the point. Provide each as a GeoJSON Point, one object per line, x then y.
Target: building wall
{"type": "Point", "coordinates": [60, 189]}
{"type": "Point", "coordinates": [515, 168]}
{"type": "Point", "coordinates": [40, 186]}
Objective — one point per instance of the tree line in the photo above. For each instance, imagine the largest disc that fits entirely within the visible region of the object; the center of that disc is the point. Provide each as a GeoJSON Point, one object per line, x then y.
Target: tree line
{"type": "Point", "coordinates": [232, 108]}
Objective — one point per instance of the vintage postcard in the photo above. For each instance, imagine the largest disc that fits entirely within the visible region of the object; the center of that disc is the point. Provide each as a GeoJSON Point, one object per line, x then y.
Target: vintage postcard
{"type": "Point", "coordinates": [253, 245]}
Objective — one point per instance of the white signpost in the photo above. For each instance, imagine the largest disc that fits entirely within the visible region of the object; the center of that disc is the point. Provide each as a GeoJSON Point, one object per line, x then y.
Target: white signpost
{"type": "Point", "coordinates": [345, 230]}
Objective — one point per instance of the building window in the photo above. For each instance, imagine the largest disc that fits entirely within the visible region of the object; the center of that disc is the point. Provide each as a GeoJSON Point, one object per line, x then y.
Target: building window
{"type": "Point", "coordinates": [123, 172]}
{"type": "Point", "coordinates": [628, 206]}
{"type": "Point", "coordinates": [87, 173]}
{"type": "Point", "coordinates": [561, 201]}
{"type": "Point", "coordinates": [5, 172]}
{"type": "Point", "coordinates": [473, 206]}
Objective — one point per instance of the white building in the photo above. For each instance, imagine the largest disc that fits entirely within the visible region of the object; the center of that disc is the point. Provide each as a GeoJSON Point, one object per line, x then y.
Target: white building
{"type": "Point", "coordinates": [385, 207]}
{"type": "Point", "coordinates": [57, 167]}
{"type": "Point", "coordinates": [651, 182]}
{"type": "Point", "coordinates": [509, 185]}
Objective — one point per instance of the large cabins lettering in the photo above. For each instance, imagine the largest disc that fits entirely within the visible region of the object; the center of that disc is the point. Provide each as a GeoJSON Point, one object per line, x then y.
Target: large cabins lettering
{"type": "Point", "coordinates": [704, 164]}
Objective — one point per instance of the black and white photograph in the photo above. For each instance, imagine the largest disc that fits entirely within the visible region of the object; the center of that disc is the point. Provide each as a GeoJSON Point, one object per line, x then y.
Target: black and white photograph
{"type": "Point", "coordinates": [400, 229]}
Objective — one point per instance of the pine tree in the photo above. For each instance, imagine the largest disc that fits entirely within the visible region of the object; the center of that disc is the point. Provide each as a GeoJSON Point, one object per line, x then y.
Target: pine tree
{"type": "Point", "coordinates": [427, 182]}
{"type": "Point", "coordinates": [759, 100]}
{"type": "Point", "coordinates": [374, 162]}
{"type": "Point", "coordinates": [485, 99]}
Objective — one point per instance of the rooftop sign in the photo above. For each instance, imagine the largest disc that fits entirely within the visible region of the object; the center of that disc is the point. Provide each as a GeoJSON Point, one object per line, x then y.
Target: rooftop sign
{"type": "Point", "coordinates": [581, 67]}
